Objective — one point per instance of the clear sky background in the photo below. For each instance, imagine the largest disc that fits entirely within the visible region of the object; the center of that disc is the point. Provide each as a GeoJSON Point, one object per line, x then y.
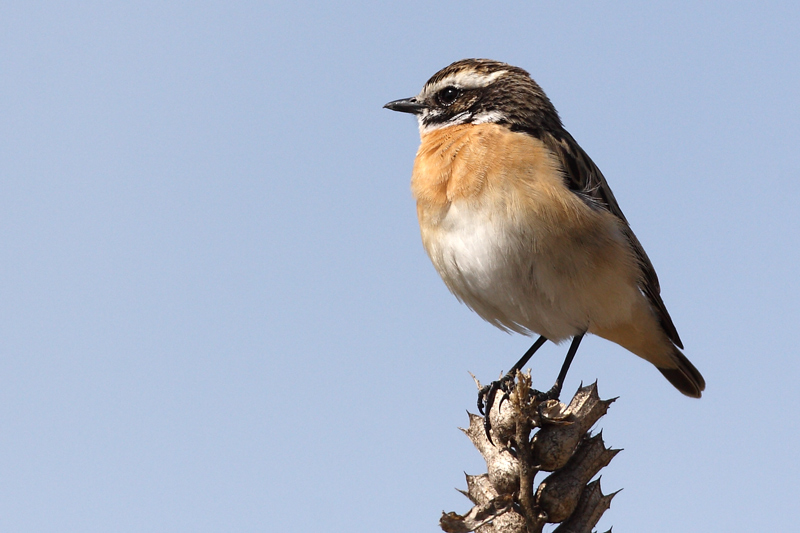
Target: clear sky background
{"type": "Point", "coordinates": [217, 314]}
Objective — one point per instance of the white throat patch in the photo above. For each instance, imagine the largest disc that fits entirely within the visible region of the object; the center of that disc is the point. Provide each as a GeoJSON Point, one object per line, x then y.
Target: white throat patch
{"type": "Point", "coordinates": [425, 128]}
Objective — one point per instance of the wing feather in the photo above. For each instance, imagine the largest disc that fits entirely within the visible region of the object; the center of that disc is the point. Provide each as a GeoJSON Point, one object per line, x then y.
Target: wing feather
{"type": "Point", "coordinates": [585, 179]}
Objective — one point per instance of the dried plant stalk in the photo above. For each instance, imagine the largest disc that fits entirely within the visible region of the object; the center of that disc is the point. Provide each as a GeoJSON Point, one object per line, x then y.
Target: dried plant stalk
{"type": "Point", "coordinates": [532, 436]}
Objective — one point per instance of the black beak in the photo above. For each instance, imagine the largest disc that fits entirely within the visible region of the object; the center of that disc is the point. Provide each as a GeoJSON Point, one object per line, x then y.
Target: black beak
{"type": "Point", "coordinates": [406, 105]}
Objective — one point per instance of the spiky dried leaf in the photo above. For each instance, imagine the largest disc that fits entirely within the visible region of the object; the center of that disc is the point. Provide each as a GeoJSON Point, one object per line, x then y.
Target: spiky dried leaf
{"type": "Point", "coordinates": [558, 495]}
{"type": "Point", "coordinates": [554, 444]}
{"type": "Point", "coordinates": [590, 509]}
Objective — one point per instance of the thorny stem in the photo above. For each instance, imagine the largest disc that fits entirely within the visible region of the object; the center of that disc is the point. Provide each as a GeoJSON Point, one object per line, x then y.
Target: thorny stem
{"type": "Point", "coordinates": [560, 446]}
{"type": "Point", "coordinates": [534, 520]}
{"type": "Point", "coordinates": [526, 475]}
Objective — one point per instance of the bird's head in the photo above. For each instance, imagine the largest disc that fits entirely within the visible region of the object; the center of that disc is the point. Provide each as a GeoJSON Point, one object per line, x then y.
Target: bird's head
{"type": "Point", "coordinates": [477, 91]}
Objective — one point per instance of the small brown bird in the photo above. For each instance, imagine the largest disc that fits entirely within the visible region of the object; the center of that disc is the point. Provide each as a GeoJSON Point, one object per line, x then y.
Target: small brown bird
{"type": "Point", "coordinates": [522, 226]}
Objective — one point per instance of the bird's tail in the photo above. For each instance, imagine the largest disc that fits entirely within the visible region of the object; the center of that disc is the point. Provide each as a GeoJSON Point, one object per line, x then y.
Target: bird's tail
{"type": "Point", "coordinates": [684, 376]}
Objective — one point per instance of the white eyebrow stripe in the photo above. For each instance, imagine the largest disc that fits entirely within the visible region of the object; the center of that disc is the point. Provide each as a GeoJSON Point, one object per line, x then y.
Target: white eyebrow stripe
{"type": "Point", "coordinates": [468, 79]}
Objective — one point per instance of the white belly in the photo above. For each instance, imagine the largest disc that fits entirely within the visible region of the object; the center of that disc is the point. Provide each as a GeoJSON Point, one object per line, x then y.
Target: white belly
{"type": "Point", "coordinates": [522, 278]}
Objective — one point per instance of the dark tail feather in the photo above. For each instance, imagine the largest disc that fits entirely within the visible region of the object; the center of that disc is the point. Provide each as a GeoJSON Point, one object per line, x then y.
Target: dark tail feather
{"type": "Point", "coordinates": [685, 377]}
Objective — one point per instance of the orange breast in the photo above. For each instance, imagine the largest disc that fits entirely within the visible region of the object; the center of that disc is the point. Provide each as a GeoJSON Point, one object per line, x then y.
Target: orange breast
{"type": "Point", "coordinates": [485, 162]}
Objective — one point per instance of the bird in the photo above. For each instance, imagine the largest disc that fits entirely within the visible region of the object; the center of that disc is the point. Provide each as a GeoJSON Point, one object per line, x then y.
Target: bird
{"type": "Point", "coordinates": [523, 228]}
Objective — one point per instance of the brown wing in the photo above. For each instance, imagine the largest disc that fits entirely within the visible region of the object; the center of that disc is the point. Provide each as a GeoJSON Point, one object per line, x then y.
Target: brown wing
{"type": "Point", "coordinates": [585, 179]}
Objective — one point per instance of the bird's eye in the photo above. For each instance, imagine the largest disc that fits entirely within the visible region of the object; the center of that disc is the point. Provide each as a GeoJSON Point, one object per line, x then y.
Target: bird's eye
{"type": "Point", "coordinates": [448, 95]}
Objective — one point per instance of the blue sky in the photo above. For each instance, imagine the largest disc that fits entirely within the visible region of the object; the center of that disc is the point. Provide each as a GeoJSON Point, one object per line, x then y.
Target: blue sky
{"type": "Point", "coordinates": [217, 314]}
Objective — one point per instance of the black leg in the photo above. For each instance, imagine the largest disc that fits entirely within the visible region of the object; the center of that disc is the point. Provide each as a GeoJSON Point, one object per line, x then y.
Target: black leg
{"type": "Point", "coordinates": [555, 392]}
{"type": "Point", "coordinates": [525, 358]}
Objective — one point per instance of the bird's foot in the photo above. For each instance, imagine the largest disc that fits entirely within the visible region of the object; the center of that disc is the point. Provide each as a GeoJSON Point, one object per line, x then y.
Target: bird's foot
{"type": "Point", "coordinates": [487, 396]}
{"type": "Point", "coordinates": [552, 394]}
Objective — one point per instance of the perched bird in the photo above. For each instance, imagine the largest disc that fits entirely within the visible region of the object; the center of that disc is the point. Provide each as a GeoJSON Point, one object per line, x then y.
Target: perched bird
{"type": "Point", "coordinates": [522, 226]}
